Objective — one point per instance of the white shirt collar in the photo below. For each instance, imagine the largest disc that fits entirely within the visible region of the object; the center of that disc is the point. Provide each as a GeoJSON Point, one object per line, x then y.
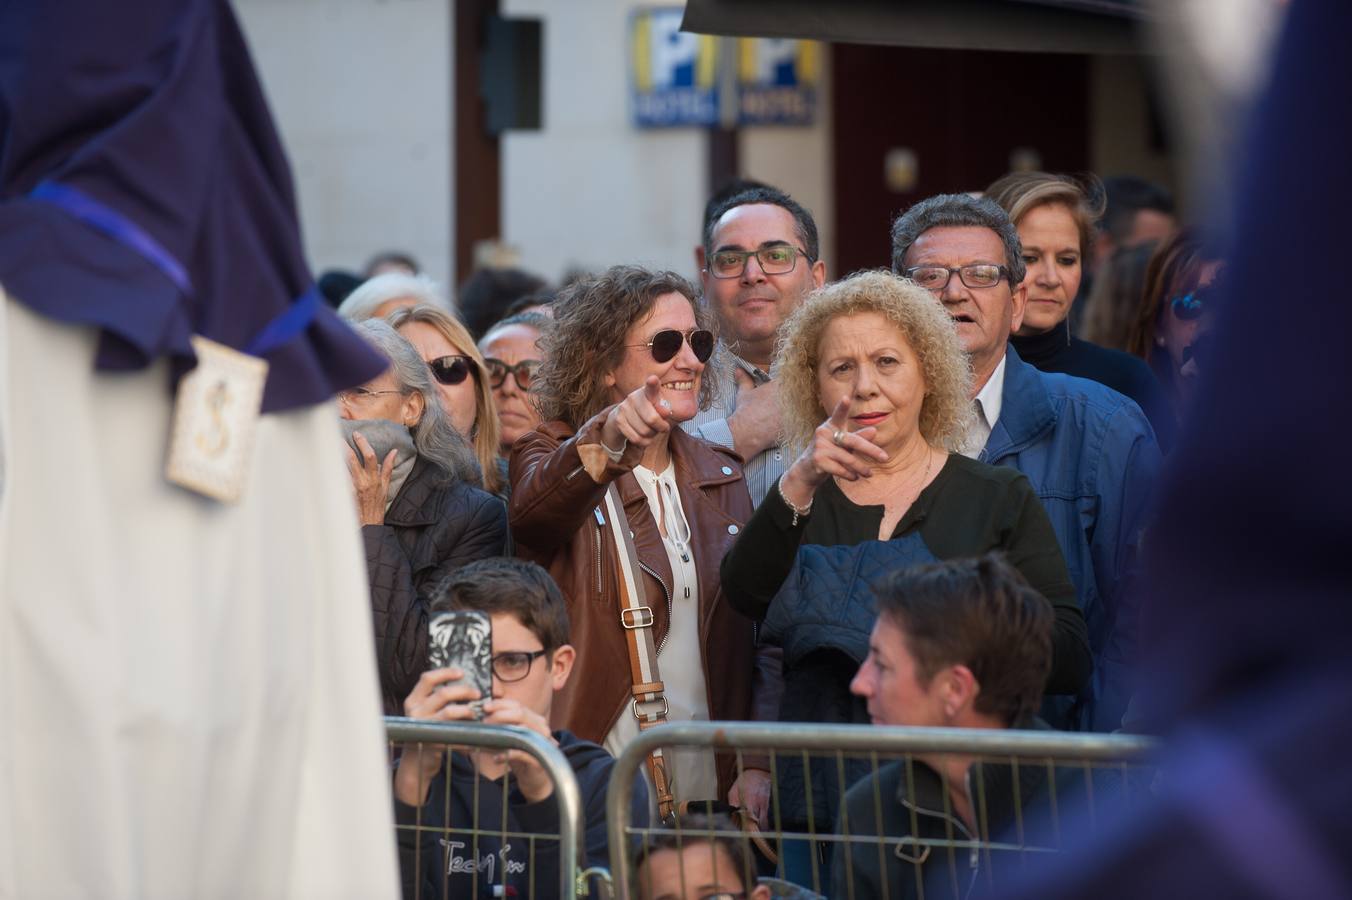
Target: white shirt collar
{"type": "Point", "coordinates": [987, 401]}
{"type": "Point", "coordinates": [991, 396]}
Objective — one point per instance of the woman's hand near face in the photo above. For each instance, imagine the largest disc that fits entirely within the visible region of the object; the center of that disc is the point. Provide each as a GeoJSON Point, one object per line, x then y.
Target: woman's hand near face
{"type": "Point", "coordinates": [851, 459]}
{"type": "Point", "coordinates": [640, 418]}
{"type": "Point", "coordinates": [370, 479]}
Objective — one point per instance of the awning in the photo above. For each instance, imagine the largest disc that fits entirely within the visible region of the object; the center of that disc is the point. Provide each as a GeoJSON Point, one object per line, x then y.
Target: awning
{"type": "Point", "coordinates": [1041, 26]}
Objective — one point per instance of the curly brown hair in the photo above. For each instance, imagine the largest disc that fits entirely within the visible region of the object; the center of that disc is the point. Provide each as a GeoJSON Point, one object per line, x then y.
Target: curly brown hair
{"type": "Point", "coordinates": [920, 318]}
{"type": "Point", "coordinates": [591, 319]}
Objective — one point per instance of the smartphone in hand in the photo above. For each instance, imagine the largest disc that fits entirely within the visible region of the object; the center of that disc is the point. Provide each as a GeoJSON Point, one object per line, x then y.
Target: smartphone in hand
{"type": "Point", "coordinates": [463, 639]}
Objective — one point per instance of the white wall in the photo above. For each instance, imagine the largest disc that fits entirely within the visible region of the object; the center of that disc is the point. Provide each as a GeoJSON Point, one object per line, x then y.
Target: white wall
{"type": "Point", "coordinates": [589, 189]}
{"type": "Point", "coordinates": [362, 94]}
{"type": "Point", "coordinates": [1119, 122]}
{"type": "Point", "coordinates": [799, 160]}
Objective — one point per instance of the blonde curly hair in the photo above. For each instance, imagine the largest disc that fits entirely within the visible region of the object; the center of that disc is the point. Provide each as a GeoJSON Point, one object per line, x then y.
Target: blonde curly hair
{"type": "Point", "coordinates": [947, 407]}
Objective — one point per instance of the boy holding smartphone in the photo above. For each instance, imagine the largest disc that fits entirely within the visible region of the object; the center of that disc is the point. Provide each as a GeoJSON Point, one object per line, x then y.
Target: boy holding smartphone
{"type": "Point", "coordinates": [532, 659]}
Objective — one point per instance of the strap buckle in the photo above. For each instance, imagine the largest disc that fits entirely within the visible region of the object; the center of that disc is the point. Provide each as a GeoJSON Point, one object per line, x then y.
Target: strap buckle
{"type": "Point", "coordinates": [634, 619]}
{"type": "Point", "coordinates": [643, 717]}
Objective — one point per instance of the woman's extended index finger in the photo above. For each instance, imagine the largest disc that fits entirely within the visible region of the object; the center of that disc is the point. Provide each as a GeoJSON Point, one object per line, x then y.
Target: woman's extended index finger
{"type": "Point", "coordinates": [652, 392]}
{"type": "Point", "coordinates": [840, 416]}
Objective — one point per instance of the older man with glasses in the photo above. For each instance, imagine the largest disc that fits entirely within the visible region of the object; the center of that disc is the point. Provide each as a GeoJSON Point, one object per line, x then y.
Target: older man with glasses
{"type": "Point", "coordinates": [1089, 451]}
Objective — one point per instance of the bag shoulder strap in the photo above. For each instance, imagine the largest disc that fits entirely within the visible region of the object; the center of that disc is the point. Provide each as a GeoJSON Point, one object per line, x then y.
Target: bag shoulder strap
{"type": "Point", "coordinates": [648, 703]}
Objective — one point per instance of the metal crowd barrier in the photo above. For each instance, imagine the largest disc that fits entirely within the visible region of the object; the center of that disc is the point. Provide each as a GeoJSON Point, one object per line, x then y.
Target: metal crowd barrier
{"type": "Point", "coordinates": [1078, 781]}
{"type": "Point", "coordinates": [457, 843]}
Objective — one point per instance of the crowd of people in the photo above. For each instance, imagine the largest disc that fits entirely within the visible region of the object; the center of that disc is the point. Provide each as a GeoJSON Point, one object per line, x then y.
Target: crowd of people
{"type": "Point", "coordinates": [692, 501]}
{"type": "Point", "coordinates": [912, 497]}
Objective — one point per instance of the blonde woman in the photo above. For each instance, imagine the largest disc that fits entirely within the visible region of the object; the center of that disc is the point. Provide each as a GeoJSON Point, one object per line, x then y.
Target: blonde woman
{"type": "Point", "coordinates": [462, 380]}
{"type": "Point", "coordinates": [1055, 218]}
{"type": "Point", "coordinates": [874, 395]}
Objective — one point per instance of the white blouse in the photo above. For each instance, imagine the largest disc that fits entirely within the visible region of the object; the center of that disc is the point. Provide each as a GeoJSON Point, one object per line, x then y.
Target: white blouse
{"type": "Point", "coordinates": [680, 658]}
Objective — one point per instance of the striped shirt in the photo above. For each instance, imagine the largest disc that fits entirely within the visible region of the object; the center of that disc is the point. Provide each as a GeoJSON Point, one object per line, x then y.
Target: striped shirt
{"type": "Point", "coordinates": [711, 425]}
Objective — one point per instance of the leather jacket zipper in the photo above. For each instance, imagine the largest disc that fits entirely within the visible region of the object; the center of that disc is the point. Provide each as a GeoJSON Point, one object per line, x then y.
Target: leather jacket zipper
{"type": "Point", "coordinates": [600, 543]}
{"type": "Point", "coordinates": [666, 590]}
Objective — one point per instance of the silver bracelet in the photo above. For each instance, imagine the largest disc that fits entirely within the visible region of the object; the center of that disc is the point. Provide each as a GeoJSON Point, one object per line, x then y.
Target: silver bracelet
{"type": "Point", "coordinates": [614, 454]}
{"type": "Point", "coordinates": [797, 512]}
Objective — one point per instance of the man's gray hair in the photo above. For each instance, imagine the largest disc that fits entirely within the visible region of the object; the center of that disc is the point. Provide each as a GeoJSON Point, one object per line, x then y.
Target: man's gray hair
{"type": "Point", "coordinates": [957, 211]}
{"type": "Point", "coordinates": [434, 436]}
{"type": "Point", "coordinates": [363, 302]}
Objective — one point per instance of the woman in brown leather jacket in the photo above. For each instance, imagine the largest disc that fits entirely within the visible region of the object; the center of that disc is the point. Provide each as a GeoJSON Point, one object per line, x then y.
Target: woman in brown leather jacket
{"type": "Point", "coordinates": [624, 365]}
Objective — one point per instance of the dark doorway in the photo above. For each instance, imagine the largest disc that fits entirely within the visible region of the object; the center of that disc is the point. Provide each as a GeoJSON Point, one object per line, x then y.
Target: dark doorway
{"type": "Point", "coordinates": [477, 176]}
{"type": "Point", "coordinates": [957, 114]}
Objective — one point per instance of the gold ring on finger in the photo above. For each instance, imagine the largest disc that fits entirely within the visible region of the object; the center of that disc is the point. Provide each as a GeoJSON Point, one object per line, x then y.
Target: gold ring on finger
{"type": "Point", "coordinates": [838, 438]}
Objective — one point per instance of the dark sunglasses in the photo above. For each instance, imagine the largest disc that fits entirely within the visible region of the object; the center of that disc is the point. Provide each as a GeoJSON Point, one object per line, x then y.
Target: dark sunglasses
{"type": "Point", "coordinates": [666, 344]}
{"type": "Point", "coordinates": [523, 372]}
{"type": "Point", "coordinates": [451, 369]}
{"type": "Point", "coordinates": [1194, 304]}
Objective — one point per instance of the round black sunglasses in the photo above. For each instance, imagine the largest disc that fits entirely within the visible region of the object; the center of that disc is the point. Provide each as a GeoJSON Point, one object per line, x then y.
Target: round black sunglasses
{"type": "Point", "coordinates": [451, 369]}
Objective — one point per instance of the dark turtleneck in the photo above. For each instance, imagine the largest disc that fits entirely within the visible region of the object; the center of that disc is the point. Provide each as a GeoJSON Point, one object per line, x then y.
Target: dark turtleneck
{"type": "Point", "coordinates": [1057, 351]}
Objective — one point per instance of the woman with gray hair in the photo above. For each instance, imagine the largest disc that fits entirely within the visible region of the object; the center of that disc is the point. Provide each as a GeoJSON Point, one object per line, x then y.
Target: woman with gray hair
{"type": "Point", "coordinates": [421, 515]}
{"type": "Point", "coordinates": [380, 295]}
{"type": "Point", "coordinates": [873, 390]}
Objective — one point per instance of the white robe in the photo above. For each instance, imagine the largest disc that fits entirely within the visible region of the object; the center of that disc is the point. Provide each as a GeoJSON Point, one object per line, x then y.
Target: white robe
{"type": "Point", "coordinates": [188, 694]}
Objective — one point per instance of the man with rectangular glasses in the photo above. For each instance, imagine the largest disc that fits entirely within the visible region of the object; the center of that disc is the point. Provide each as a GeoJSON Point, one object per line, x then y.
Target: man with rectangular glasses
{"type": "Point", "coordinates": [760, 258]}
{"type": "Point", "coordinates": [1089, 451]}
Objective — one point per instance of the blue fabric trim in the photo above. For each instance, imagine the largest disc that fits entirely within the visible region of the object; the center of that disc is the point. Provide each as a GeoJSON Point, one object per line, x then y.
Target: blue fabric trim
{"type": "Point", "coordinates": [287, 326]}
{"type": "Point", "coordinates": [117, 226]}
{"type": "Point", "coordinates": [283, 328]}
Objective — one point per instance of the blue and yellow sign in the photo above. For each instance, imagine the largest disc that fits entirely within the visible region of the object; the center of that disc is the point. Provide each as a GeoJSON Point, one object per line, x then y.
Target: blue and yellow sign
{"type": "Point", "coordinates": [777, 81]}
{"type": "Point", "coordinates": [674, 73]}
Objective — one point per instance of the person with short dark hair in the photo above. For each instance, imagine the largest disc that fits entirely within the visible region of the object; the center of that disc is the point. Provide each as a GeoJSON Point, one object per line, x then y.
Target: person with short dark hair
{"type": "Point", "coordinates": [761, 258]}
{"type": "Point", "coordinates": [686, 862]}
{"type": "Point", "coordinates": [714, 204]}
{"type": "Point", "coordinates": [1089, 452]}
{"type": "Point", "coordinates": [958, 644]}
{"type": "Point", "coordinates": [336, 285]}
{"type": "Point", "coordinates": [532, 660]}
{"type": "Point", "coordinates": [485, 296]}
{"type": "Point", "coordinates": [1135, 212]}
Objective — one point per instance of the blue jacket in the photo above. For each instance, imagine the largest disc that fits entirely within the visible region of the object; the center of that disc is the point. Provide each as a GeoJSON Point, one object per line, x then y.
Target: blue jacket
{"type": "Point", "coordinates": [1093, 460]}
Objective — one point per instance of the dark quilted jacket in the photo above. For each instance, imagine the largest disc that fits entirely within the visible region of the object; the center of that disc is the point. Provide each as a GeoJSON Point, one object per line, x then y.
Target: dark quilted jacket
{"type": "Point", "coordinates": [431, 529]}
